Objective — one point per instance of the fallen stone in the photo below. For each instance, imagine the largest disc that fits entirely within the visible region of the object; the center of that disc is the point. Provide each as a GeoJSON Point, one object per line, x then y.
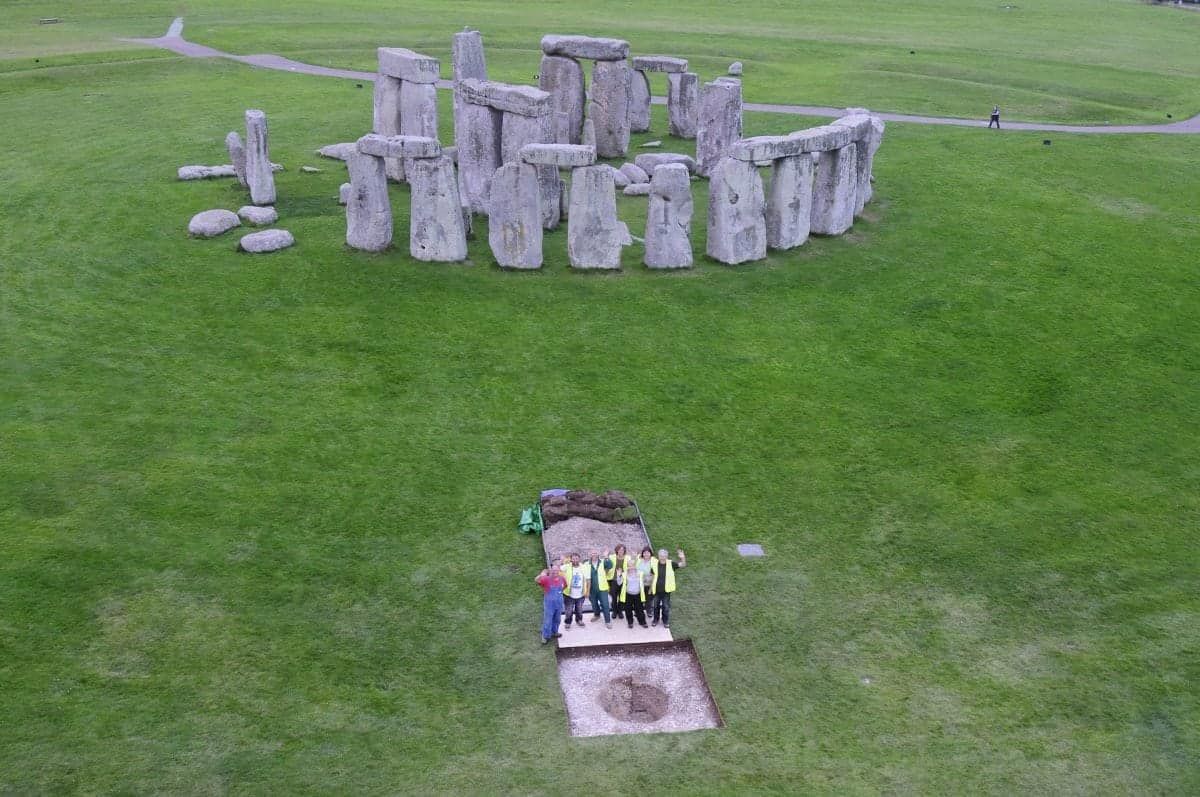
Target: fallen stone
{"type": "Point", "coordinates": [479, 138]}
{"type": "Point", "coordinates": [834, 190]}
{"type": "Point", "coordinates": [562, 78]}
{"type": "Point", "coordinates": [587, 47]}
{"type": "Point", "coordinates": [266, 241]}
{"type": "Point", "coordinates": [562, 156]}
{"type": "Point", "coordinates": [399, 146]}
{"type": "Point", "coordinates": [736, 224]}
{"type": "Point", "coordinates": [649, 161]}
{"type": "Point", "coordinates": [735, 68]}
{"type": "Point", "coordinates": [719, 123]}
{"type": "Point", "coordinates": [205, 172]}
{"type": "Point", "coordinates": [411, 67]}
{"type": "Point", "coordinates": [259, 176]}
{"type": "Point", "coordinates": [635, 174]}
{"type": "Point", "coordinates": [344, 193]}
{"type": "Point", "coordinates": [515, 217]}
{"type": "Point", "coordinates": [636, 189]}
{"type": "Point", "coordinates": [669, 218]}
{"type": "Point", "coordinates": [311, 170]}
{"type": "Point", "coordinates": [619, 178]}
{"type": "Point", "coordinates": [338, 152]}
{"type": "Point", "coordinates": [789, 202]}
{"type": "Point", "coordinates": [594, 234]}
{"type": "Point", "coordinates": [237, 154]}
{"type": "Point", "coordinates": [683, 104]}
{"type": "Point", "coordinates": [610, 108]}
{"type": "Point", "coordinates": [659, 63]}
{"type": "Point", "coordinates": [211, 223]}
{"type": "Point", "coordinates": [368, 209]}
{"type": "Point", "coordinates": [258, 216]}
{"type": "Point", "coordinates": [436, 231]}
{"type": "Point", "coordinates": [524, 100]}
{"type": "Point", "coordinates": [639, 102]}
{"type": "Point", "coordinates": [386, 118]}
{"type": "Point", "coordinates": [516, 132]}
{"type": "Point", "coordinates": [650, 145]}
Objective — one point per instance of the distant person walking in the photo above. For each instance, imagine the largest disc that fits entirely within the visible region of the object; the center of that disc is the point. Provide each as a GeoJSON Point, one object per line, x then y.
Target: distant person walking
{"type": "Point", "coordinates": [552, 583]}
{"type": "Point", "coordinates": [995, 117]}
{"type": "Point", "coordinates": [662, 585]}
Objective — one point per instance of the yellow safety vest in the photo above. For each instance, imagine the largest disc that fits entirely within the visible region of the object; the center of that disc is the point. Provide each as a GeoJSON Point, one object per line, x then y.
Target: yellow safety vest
{"type": "Point", "coordinates": [598, 575]}
{"type": "Point", "coordinates": [625, 583]}
{"type": "Point", "coordinates": [669, 587]}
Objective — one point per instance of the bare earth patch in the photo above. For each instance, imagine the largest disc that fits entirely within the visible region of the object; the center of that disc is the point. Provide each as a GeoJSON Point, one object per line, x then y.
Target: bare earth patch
{"type": "Point", "coordinates": [652, 688]}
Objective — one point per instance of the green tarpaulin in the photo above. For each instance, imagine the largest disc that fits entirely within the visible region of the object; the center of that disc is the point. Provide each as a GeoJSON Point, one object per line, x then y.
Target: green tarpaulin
{"type": "Point", "coordinates": [531, 520]}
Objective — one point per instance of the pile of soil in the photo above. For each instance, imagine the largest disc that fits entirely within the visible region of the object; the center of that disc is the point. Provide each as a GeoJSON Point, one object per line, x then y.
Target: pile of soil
{"type": "Point", "coordinates": [632, 698]}
{"type": "Point", "coordinates": [611, 507]}
{"type": "Point", "coordinates": [580, 535]}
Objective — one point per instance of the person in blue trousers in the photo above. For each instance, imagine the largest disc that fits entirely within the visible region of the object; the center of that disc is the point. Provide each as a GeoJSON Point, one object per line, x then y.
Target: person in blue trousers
{"type": "Point", "coordinates": [552, 583]}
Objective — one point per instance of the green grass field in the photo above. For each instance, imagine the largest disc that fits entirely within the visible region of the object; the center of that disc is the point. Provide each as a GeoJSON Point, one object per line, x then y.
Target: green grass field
{"type": "Point", "coordinates": [258, 512]}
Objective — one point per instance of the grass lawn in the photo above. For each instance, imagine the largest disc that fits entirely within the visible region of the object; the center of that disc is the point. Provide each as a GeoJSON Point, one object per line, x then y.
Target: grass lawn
{"type": "Point", "coordinates": [258, 512]}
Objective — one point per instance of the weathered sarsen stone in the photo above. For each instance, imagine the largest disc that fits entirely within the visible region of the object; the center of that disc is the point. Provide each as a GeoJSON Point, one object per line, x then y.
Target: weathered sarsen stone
{"type": "Point", "coordinates": [409, 66]}
{"type": "Point", "coordinates": [587, 47]}
{"type": "Point", "coordinates": [436, 231]}
{"type": "Point", "coordinates": [834, 190]}
{"type": "Point", "coordinates": [266, 241]}
{"type": "Point", "coordinates": [517, 131]}
{"type": "Point", "coordinates": [507, 97]}
{"type": "Point", "coordinates": [515, 218]}
{"type": "Point", "coordinates": [258, 159]}
{"type": "Point", "coordinates": [610, 104]}
{"type": "Point", "coordinates": [211, 223]}
{"type": "Point", "coordinates": [594, 233]}
{"type": "Point", "coordinates": [789, 201]}
{"type": "Point", "coordinates": [639, 101]}
{"type": "Point", "coordinates": [649, 161]}
{"type": "Point", "coordinates": [659, 63]}
{"type": "Point", "coordinates": [386, 117]}
{"type": "Point", "coordinates": [719, 124]}
{"type": "Point", "coordinates": [368, 210]}
{"type": "Point", "coordinates": [683, 104]}
{"type": "Point", "coordinates": [866, 147]}
{"type": "Point", "coordinates": [562, 78]}
{"type": "Point", "coordinates": [418, 112]}
{"type": "Point", "coordinates": [736, 224]}
{"type": "Point", "coordinates": [478, 154]}
{"type": "Point", "coordinates": [561, 156]}
{"type": "Point", "coordinates": [669, 218]}
{"type": "Point", "coordinates": [237, 156]}
{"type": "Point", "coordinates": [468, 61]}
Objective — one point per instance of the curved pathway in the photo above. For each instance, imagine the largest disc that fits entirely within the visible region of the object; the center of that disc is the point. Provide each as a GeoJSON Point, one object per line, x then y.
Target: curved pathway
{"type": "Point", "coordinates": [173, 40]}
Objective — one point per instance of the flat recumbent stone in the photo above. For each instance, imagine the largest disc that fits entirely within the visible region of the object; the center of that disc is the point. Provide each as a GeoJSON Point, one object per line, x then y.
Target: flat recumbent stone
{"type": "Point", "coordinates": [266, 241]}
{"type": "Point", "coordinates": [588, 47]}
{"type": "Point", "coordinates": [400, 62]}
{"type": "Point", "coordinates": [659, 63]}
{"type": "Point", "coordinates": [564, 156]}
{"type": "Point", "coordinates": [211, 223]}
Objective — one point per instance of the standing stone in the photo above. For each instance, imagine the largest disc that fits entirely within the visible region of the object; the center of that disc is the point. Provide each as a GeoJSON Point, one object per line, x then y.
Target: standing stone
{"type": "Point", "coordinates": [735, 68]}
{"type": "Point", "coordinates": [515, 218]}
{"type": "Point", "coordinates": [468, 61]}
{"type": "Point", "coordinates": [719, 123]}
{"type": "Point", "coordinates": [669, 218]}
{"type": "Point", "coordinates": [258, 160]}
{"type": "Point", "coordinates": [683, 103]}
{"type": "Point", "coordinates": [418, 112]}
{"type": "Point", "coordinates": [478, 154]}
{"type": "Point", "coordinates": [386, 118]}
{"type": "Point", "coordinates": [436, 231]}
{"type": "Point", "coordinates": [610, 104]}
{"type": "Point", "coordinates": [588, 136]}
{"type": "Point", "coordinates": [368, 210]}
{"type": "Point", "coordinates": [867, 147]}
{"type": "Point", "coordinates": [789, 201]}
{"type": "Point", "coordinates": [834, 191]}
{"type": "Point", "coordinates": [517, 131]}
{"type": "Point", "coordinates": [639, 101]}
{"type": "Point", "coordinates": [563, 78]}
{"type": "Point", "coordinates": [594, 234]}
{"type": "Point", "coordinates": [237, 156]}
{"type": "Point", "coordinates": [737, 230]}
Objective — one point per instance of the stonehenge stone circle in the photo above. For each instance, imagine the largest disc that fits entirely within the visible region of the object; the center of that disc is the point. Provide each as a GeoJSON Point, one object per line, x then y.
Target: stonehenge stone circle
{"type": "Point", "coordinates": [515, 217]}
{"type": "Point", "coordinates": [237, 156]}
{"type": "Point", "coordinates": [259, 176]}
{"type": "Point", "coordinates": [266, 241]}
{"type": "Point", "coordinates": [368, 210]}
{"type": "Point", "coordinates": [258, 216]}
{"type": "Point", "coordinates": [586, 47]}
{"type": "Point", "coordinates": [736, 213]}
{"type": "Point", "coordinates": [436, 230]}
{"type": "Point", "coordinates": [562, 78]}
{"type": "Point", "coordinates": [789, 201]}
{"type": "Point", "coordinates": [834, 189]}
{"type": "Point", "coordinates": [594, 234]}
{"type": "Point", "coordinates": [405, 98]}
{"type": "Point", "coordinates": [683, 104]}
{"type": "Point", "coordinates": [669, 218]}
{"type": "Point", "coordinates": [610, 108]}
{"type": "Point", "coordinates": [211, 223]}
{"type": "Point", "coordinates": [639, 101]}
{"type": "Point", "coordinates": [719, 123]}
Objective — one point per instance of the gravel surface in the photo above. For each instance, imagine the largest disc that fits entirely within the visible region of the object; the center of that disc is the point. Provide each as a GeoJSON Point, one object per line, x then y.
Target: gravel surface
{"type": "Point", "coordinates": [580, 535]}
{"type": "Point", "coordinates": [611, 693]}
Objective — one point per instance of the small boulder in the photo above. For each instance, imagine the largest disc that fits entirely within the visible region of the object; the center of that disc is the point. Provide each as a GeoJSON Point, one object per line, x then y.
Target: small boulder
{"type": "Point", "coordinates": [211, 223]}
{"type": "Point", "coordinates": [635, 173]}
{"type": "Point", "coordinates": [619, 178]}
{"type": "Point", "coordinates": [197, 172]}
{"type": "Point", "coordinates": [735, 68]}
{"type": "Point", "coordinates": [637, 189]}
{"type": "Point", "coordinates": [266, 241]}
{"type": "Point", "coordinates": [258, 216]}
{"type": "Point", "coordinates": [344, 193]}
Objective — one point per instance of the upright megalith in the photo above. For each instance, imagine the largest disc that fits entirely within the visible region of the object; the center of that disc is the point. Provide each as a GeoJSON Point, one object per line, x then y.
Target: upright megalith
{"type": "Point", "coordinates": [562, 78]}
{"type": "Point", "coordinates": [518, 131]}
{"type": "Point", "coordinates": [868, 130]}
{"type": "Point", "coordinates": [594, 233]}
{"type": "Point", "coordinates": [237, 156]}
{"type": "Point", "coordinates": [436, 229]}
{"type": "Point", "coordinates": [789, 201]}
{"type": "Point", "coordinates": [683, 104]}
{"type": "Point", "coordinates": [418, 110]}
{"type": "Point", "coordinates": [468, 61]}
{"type": "Point", "coordinates": [639, 101]}
{"type": "Point", "coordinates": [478, 139]}
{"type": "Point", "coordinates": [834, 191]}
{"type": "Point", "coordinates": [737, 230]}
{"type": "Point", "coordinates": [610, 104]}
{"type": "Point", "coordinates": [405, 98]}
{"type": "Point", "coordinates": [259, 176]}
{"type": "Point", "coordinates": [719, 122]}
{"type": "Point", "coordinates": [669, 218]}
{"type": "Point", "coordinates": [368, 211]}
{"type": "Point", "coordinates": [386, 117]}
{"type": "Point", "coordinates": [515, 217]}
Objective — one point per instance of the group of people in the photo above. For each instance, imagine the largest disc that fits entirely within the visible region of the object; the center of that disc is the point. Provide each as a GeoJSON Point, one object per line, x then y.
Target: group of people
{"type": "Point", "coordinates": [617, 585]}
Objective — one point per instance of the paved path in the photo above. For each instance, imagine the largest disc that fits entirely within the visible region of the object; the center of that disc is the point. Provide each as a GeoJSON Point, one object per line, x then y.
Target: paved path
{"type": "Point", "coordinates": [173, 40]}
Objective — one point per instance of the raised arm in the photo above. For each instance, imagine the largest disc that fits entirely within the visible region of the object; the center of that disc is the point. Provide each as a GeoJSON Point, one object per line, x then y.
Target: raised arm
{"type": "Point", "coordinates": [682, 557]}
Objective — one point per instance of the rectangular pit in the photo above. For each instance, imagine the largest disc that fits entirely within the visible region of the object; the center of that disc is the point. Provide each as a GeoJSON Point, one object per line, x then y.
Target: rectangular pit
{"type": "Point", "coordinates": [655, 687]}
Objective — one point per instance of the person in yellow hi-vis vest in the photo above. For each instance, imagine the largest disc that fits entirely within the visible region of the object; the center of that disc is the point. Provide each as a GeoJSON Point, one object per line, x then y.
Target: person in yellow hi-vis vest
{"type": "Point", "coordinates": [633, 591]}
{"type": "Point", "coordinates": [576, 574]}
{"type": "Point", "coordinates": [615, 562]}
{"type": "Point", "coordinates": [598, 588]}
{"type": "Point", "coordinates": [662, 585]}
